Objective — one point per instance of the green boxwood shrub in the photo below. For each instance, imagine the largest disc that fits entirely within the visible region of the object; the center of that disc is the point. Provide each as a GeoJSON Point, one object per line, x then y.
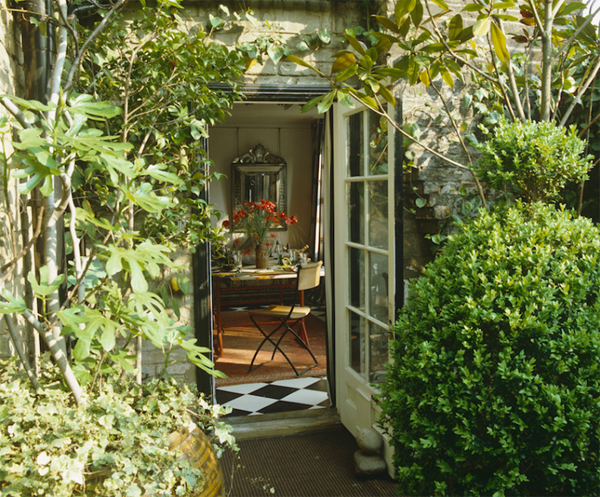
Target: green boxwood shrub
{"type": "Point", "coordinates": [494, 387]}
{"type": "Point", "coordinates": [532, 160]}
{"type": "Point", "coordinates": [115, 445]}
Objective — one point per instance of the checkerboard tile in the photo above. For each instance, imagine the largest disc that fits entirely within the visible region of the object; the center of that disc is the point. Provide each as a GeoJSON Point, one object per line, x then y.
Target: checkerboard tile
{"type": "Point", "coordinates": [277, 396]}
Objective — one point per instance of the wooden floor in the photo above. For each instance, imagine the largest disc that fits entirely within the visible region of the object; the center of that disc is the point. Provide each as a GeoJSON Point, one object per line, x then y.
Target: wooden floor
{"type": "Point", "coordinates": [241, 339]}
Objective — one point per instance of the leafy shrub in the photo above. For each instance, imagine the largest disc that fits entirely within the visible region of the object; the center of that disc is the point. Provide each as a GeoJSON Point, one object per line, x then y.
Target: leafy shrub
{"type": "Point", "coordinates": [534, 160]}
{"type": "Point", "coordinates": [115, 446]}
{"type": "Point", "coordinates": [494, 387]}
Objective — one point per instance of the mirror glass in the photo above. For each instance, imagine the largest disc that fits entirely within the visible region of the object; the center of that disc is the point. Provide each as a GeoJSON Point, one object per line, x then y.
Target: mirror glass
{"type": "Point", "coordinates": [259, 175]}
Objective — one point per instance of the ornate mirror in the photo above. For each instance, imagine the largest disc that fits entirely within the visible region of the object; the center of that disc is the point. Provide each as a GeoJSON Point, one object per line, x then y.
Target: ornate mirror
{"type": "Point", "coordinates": [258, 175]}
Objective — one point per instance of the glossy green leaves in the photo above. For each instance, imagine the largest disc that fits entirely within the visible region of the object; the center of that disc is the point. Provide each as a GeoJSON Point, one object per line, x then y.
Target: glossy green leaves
{"type": "Point", "coordinates": [493, 387]}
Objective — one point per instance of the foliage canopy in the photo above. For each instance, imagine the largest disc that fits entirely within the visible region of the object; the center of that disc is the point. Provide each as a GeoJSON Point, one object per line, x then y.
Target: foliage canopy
{"type": "Point", "coordinates": [495, 383]}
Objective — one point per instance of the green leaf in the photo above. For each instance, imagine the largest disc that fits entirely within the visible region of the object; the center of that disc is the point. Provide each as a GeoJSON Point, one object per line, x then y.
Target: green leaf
{"type": "Point", "coordinates": [359, 46]}
{"type": "Point", "coordinates": [499, 43]}
{"type": "Point", "coordinates": [215, 22]}
{"type": "Point", "coordinates": [506, 17]}
{"type": "Point", "coordinates": [441, 4]}
{"type": "Point", "coordinates": [570, 7]}
{"type": "Point", "coordinates": [343, 61]}
{"type": "Point", "coordinates": [365, 99]}
{"type": "Point", "coordinates": [10, 304]}
{"type": "Point", "coordinates": [81, 350]}
{"type": "Point", "coordinates": [48, 187]}
{"type": "Point", "coordinates": [276, 53]}
{"type": "Point", "coordinates": [391, 72]}
{"type": "Point", "coordinates": [421, 202]}
{"type": "Point", "coordinates": [455, 26]}
{"type": "Point", "coordinates": [87, 106]}
{"type": "Point", "coordinates": [326, 102]}
{"type": "Point", "coordinates": [387, 95]}
{"type": "Point", "coordinates": [402, 8]}
{"type": "Point", "coordinates": [30, 138]}
{"type": "Point", "coordinates": [447, 77]}
{"type": "Point", "coordinates": [504, 5]}
{"type": "Point", "coordinates": [366, 62]}
{"type": "Point", "coordinates": [473, 7]}
{"type": "Point", "coordinates": [107, 338]}
{"type": "Point", "coordinates": [481, 27]}
{"type": "Point", "coordinates": [346, 73]}
{"type": "Point", "coordinates": [138, 280]}
{"type": "Point", "coordinates": [157, 171]}
{"type": "Point", "coordinates": [324, 36]}
{"type": "Point", "coordinates": [417, 13]}
{"type": "Point", "coordinates": [30, 104]}
{"type": "Point", "coordinates": [44, 287]}
{"type": "Point", "coordinates": [387, 23]}
{"type": "Point", "coordinates": [147, 199]}
{"type": "Point", "coordinates": [300, 62]}
{"type": "Point", "coordinates": [311, 103]}
{"type": "Point", "coordinates": [124, 360]}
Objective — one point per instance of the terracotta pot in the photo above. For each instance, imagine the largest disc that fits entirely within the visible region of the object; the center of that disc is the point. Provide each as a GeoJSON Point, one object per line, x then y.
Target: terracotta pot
{"type": "Point", "coordinates": [197, 448]}
{"type": "Point", "coordinates": [262, 256]}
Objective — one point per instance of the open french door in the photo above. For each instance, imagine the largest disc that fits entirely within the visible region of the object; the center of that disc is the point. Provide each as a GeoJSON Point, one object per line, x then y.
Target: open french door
{"type": "Point", "coordinates": [364, 260]}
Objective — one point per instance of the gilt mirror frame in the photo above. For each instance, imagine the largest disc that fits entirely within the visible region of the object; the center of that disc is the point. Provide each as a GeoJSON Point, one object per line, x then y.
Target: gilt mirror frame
{"type": "Point", "coordinates": [259, 175]}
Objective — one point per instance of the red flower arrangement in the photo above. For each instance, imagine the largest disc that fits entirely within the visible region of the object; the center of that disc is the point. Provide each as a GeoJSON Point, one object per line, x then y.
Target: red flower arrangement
{"type": "Point", "coordinates": [257, 218]}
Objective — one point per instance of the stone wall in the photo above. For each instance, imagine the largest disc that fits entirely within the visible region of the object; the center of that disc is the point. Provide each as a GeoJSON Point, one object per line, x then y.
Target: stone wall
{"type": "Point", "coordinates": [11, 61]}
{"type": "Point", "coordinates": [291, 22]}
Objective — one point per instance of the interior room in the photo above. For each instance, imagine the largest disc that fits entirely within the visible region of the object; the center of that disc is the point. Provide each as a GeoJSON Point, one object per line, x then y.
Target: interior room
{"type": "Point", "coordinates": [269, 134]}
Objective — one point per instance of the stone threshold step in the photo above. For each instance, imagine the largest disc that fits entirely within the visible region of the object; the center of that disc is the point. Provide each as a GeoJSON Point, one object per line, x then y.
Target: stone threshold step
{"type": "Point", "coordinates": [285, 423]}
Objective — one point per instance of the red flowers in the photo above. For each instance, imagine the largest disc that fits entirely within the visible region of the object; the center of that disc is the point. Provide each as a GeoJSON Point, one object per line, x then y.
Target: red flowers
{"type": "Point", "coordinates": [257, 218]}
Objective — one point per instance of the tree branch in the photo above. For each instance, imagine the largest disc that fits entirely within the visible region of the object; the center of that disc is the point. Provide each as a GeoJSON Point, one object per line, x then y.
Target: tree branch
{"type": "Point", "coordinates": [382, 112]}
{"type": "Point", "coordinates": [585, 23]}
{"type": "Point", "coordinates": [76, 65]}
{"type": "Point", "coordinates": [513, 82]}
{"type": "Point", "coordinates": [11, 107]}
{"type": "Point", "coordinates": [59, 356]}
{"type": "Point", "coordinates": [581, 91]}
{"type": "Point", "coordinates": [23, 252]}
{"type": "Point", "coordinates": [502, 88]}
{"type": "Point", "coordinates": [16, 342]}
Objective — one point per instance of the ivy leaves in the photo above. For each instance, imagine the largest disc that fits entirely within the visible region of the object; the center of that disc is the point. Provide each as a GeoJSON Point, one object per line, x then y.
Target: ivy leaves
{"type": "Point", "coordinates": [117, 445]}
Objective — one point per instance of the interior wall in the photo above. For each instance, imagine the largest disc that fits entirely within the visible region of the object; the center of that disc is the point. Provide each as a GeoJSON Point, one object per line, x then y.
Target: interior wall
{"type": "Point", "coordinates": [285, 132]}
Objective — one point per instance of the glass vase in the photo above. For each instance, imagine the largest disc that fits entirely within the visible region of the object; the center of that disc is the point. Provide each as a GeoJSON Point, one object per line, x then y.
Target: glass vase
{"type": "Point", "coordinates": [262, 256]}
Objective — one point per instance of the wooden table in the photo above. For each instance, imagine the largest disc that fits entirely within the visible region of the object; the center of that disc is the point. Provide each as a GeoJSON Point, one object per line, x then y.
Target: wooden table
{"type": "Point", "coordinates": [278, 277]}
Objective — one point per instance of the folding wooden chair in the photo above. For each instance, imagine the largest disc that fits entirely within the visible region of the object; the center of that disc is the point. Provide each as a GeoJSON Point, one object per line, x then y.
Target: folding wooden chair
{"type": "Point", "coordinates": [286, 316]}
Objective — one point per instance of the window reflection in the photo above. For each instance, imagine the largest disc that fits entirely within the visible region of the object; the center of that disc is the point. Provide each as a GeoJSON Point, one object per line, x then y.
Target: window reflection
{"type": "Point", "coordinates": [357, 343]}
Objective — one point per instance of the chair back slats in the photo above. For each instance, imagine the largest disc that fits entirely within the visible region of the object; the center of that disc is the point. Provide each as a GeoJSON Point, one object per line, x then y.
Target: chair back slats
{"type": "Point", "coordinates": [309, 275]}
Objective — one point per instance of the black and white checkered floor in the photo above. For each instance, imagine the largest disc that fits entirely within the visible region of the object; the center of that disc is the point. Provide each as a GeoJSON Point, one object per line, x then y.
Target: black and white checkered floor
{"type": "Point", "coordinates": [276, 396]}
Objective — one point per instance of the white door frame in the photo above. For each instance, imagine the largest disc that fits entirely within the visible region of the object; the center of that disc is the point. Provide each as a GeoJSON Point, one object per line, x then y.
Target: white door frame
{"type": "Point", "coordinates": [355, 403]}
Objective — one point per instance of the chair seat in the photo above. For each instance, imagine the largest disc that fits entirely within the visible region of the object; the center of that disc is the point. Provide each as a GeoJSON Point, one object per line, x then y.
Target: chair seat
{"type": "Point", "coordinates": [281, 311]}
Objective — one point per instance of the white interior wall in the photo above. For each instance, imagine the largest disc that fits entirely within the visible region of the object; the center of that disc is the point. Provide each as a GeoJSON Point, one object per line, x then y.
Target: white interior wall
{"type": "Point", "coordinates": [284, 131]}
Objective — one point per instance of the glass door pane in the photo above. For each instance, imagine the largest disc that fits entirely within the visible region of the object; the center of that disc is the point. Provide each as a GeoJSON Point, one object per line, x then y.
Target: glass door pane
{"type": "Point", "coordinates": [367, 244]}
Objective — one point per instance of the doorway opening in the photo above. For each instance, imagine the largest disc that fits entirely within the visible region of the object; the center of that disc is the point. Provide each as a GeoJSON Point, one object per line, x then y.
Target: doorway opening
{"type": "Point", "coordinates": [283, 131]}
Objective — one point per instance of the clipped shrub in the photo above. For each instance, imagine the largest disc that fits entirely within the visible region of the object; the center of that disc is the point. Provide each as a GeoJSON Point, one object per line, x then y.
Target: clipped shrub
{"type": "Point", "coordinates": [115, 445]}
{"type": "Point", "coordinates": [532, 160]}
{"type": "Point", "coordinates": [494, 387]}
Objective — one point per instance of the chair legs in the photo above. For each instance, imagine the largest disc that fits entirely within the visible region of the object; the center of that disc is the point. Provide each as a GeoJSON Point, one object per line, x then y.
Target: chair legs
{"type": "Point", "coordinates": [276, 344]}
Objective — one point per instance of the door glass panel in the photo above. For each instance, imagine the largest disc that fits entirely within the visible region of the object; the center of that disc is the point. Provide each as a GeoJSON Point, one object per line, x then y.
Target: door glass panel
{"type": "Point", "coordinates": [355, 145]}
{"type": "Point", "coordinates": [356, 273]}
{"type": "Point", "coordinates": [378, 144]}
{"type": "Point", "coordinates": [378, 287]}
{"type": "Point", "coordinates": [378, 345]}
{"type": "Point", "coordinates": [356, 218]}
{"type": "Point", "coordinates": [378, 214]}
{"type": "Point", "coordinates": [357, 343]}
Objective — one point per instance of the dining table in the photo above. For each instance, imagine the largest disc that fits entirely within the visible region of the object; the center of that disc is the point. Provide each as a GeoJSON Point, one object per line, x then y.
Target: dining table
{"type": "Point", "coordinates": [243, 281]}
